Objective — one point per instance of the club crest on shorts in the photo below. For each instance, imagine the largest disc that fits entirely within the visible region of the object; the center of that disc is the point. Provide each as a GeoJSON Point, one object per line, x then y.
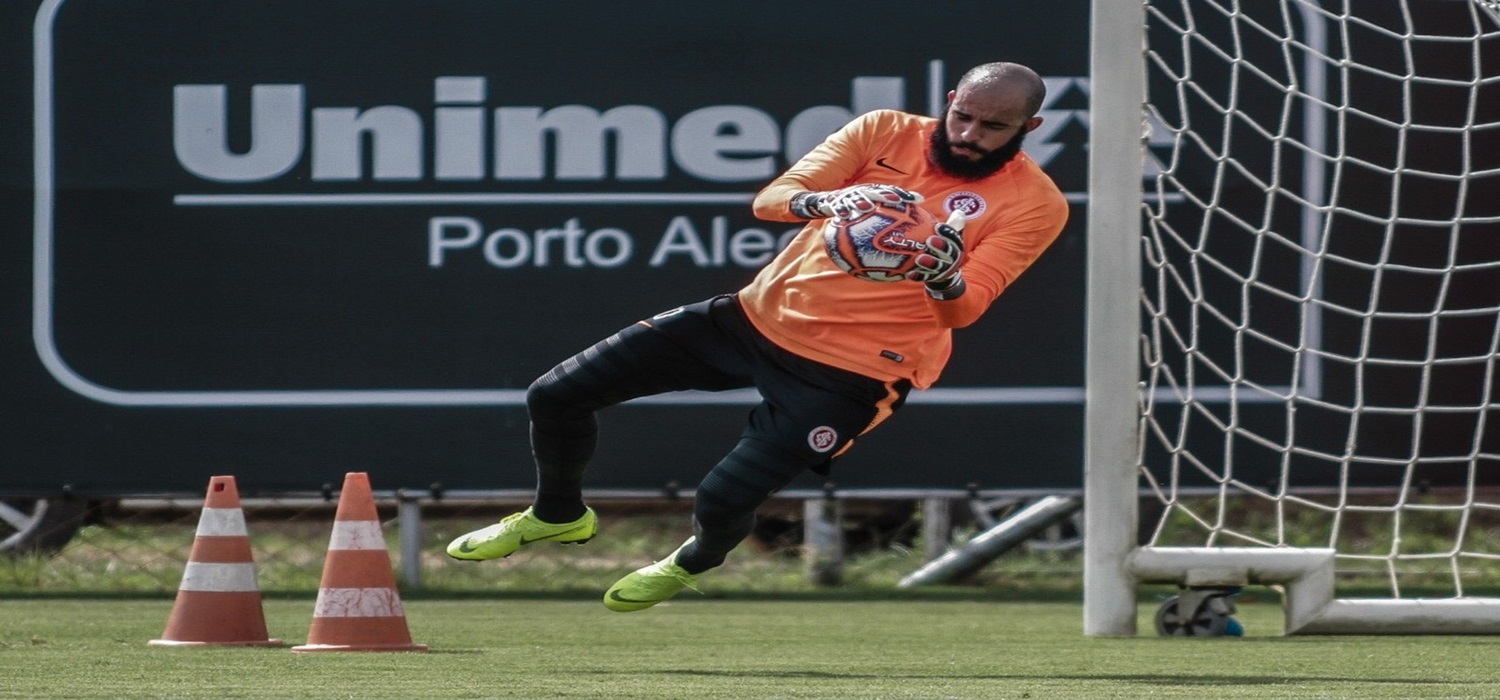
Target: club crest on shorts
{"type": "Point", "coordinates": [969, 203]}
{"type": "Point", "coordinates": [822, 438]}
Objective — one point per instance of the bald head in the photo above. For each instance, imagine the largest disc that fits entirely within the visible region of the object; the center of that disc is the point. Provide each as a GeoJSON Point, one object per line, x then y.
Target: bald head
{"type": "Point", "coordinates": [988, 116]}
{"type": "Point", "coordinates": [1006, 79]}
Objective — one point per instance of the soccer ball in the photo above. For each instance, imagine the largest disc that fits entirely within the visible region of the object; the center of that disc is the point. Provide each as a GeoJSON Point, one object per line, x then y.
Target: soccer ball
{"type": "Point", "coordinates": [881, 245]}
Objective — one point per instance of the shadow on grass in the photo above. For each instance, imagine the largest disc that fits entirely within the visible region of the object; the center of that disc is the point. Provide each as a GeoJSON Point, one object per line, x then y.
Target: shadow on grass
{"type": "Point", "coordinates": [1145, 679]}
{"type": "Point", "coordinates": [937, 594]}
{"type": "Point", "coordinates": [978, 593]}
{"type": "Point", "coordinates": [591, 594]}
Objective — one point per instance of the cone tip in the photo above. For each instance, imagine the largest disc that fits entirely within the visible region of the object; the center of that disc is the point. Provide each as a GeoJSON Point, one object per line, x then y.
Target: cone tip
{"type": "Point", "coordinates": [357, 500]}
{"type": "Point", "coordinates": [222, 493]}
{"type": "Point", "coordinates": [358, 482]}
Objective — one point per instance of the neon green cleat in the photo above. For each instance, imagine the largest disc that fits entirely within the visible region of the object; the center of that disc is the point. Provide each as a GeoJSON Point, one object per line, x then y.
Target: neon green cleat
{"type": "Point", "coordinates": [505, 537]}
{"type": "Point", "coordinates": [648, 586]}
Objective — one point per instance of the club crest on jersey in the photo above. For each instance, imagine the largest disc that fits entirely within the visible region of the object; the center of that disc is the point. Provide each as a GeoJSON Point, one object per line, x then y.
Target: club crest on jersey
{"type": "Point", "coordinates": [822, 438]}
{"type": "Point", "coordinates": [970, 204]}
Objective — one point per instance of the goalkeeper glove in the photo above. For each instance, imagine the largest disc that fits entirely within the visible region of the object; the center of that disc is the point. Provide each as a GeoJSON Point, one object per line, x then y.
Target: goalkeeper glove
{"type": "Point", "coordinates": [850, 201]}
{"type": "Point", "coordinates": [941, 267]}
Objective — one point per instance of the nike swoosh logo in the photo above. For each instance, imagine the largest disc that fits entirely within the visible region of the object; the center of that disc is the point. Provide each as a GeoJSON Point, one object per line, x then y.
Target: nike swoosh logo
{"type": "Point", "coordinates": [466, 549]}
{"type": "Point", "coordinates": [549, 537]}
{"type": "Point", "coordinates": [881, 162]}
{"type": "Point", "coordinates": [615, 595]}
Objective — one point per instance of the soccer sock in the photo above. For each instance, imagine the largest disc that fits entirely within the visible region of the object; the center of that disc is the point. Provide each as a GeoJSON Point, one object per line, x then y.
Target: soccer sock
{"type": "Point", "coordinates": [724, 509]}
{"type": "Point", "coordinates": [563, 439]}
{"type": "Point", "coordinates": [562, 452]}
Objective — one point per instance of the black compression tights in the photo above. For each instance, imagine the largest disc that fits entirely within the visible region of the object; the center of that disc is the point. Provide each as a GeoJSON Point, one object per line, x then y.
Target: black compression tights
{"type": "Point", "coordinates": [564, 430]}
{"type": "Point", "coordinates": [724, 510]}
{"type": "Point", "coordinates": [564, 433]}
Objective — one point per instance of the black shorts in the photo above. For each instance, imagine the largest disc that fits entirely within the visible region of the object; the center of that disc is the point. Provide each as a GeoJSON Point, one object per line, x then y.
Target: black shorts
{"type": "Point", "coordinates": [808, 408]}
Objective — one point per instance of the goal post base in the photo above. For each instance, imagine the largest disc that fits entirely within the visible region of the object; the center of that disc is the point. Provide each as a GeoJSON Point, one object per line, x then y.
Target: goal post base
{"type": "Point", "coordinates": [1306, 577]}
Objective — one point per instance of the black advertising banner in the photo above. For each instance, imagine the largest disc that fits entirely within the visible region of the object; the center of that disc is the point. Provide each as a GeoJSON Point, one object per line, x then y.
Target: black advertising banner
{"type": "Point", "coordinates": [286, 240]}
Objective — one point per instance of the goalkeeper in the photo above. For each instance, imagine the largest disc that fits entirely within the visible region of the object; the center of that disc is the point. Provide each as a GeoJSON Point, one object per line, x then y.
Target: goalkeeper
{"type": "Point", "coordinates": [832, 355]}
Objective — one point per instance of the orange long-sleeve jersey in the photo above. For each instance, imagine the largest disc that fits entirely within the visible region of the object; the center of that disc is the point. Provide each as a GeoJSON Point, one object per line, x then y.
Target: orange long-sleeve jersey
{"type": "Point", "coordinates": [804, 303]}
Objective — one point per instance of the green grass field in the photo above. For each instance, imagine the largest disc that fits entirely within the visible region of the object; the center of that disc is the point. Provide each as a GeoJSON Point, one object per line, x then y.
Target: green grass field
{"type": "Point", "coordinates": [737, 646]}
{"type": "Point", "coordinates": [76, 625]}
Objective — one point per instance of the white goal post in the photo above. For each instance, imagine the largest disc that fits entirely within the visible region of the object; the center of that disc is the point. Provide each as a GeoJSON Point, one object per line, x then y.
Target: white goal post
{"type": "Point", "coordinates": [1293, 333]}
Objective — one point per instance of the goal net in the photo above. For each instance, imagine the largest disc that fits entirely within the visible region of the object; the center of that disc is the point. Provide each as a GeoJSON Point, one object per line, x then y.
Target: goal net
{"type": "Point", "coordinates": [1308, 390]}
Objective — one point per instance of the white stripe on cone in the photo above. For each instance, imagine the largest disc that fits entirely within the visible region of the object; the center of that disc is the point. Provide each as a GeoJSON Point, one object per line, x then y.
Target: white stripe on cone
{"type": "Point", "coordinates": [219, 578]}
{"type": "Point", "coordinates": [222, 522]}
{"type": "Point", "coordinates": [358, 602]}
{"type": "Point", "coordinates": [356, 534]}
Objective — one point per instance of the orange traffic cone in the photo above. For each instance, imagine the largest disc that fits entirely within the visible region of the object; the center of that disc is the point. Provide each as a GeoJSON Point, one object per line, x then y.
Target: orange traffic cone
{"type": "Point", "coordinates": [218, 602]}
{"type": "Point", "coordinates": [358, 608]}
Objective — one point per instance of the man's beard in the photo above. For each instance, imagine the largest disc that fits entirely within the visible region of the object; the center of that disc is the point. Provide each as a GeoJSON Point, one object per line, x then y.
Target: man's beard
{"type": "Point", "coordinates": [940, 149]}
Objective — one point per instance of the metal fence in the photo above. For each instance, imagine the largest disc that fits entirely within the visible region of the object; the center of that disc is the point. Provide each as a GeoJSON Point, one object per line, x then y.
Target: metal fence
{"type": "Point", "coordinates": [801, 541]}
